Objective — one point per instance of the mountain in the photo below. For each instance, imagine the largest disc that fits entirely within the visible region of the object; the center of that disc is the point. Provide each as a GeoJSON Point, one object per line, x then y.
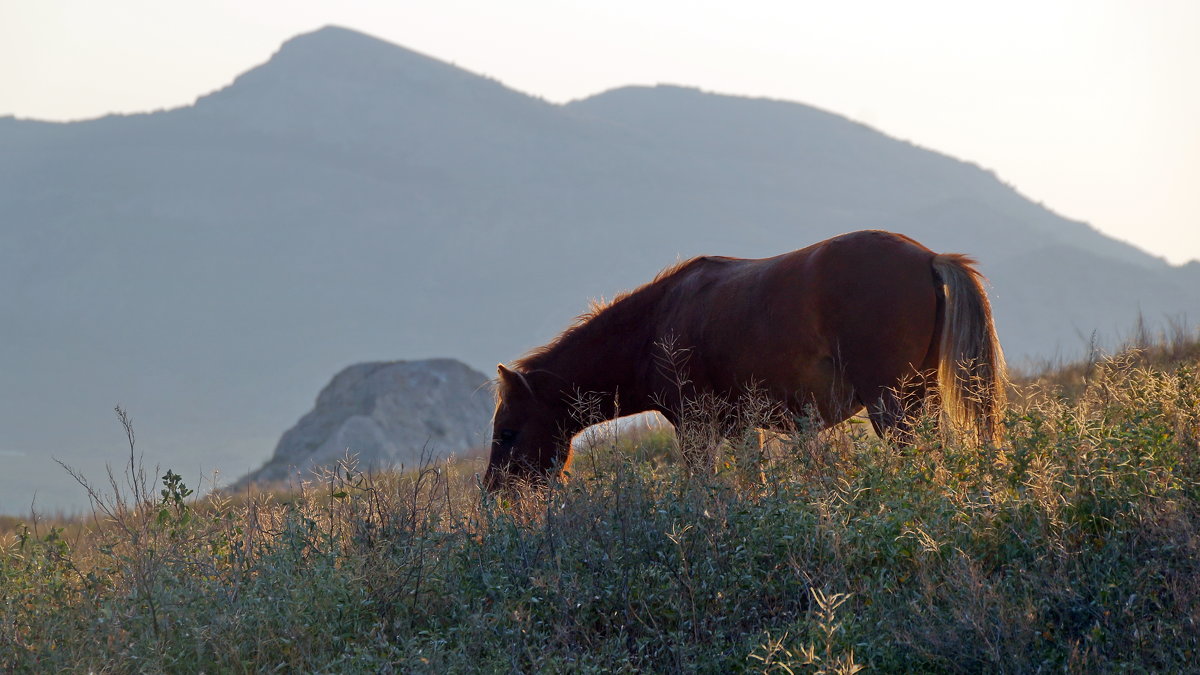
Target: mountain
{"type": "Point", "coordinates": [352, 200]}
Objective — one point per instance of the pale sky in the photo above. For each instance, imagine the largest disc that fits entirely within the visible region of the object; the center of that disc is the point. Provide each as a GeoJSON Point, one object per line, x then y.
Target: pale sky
{"type": "Point", "coordinates": [1090, 107]}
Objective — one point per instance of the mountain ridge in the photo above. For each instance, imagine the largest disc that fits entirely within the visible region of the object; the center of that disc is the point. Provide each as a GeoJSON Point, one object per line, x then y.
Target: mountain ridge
{"type": "Point", "coordinates": [633, 100]}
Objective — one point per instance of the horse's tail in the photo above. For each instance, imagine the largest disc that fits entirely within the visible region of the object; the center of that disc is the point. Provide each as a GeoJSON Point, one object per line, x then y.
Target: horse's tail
{"type": "Point", "coordinates": [971, 374]}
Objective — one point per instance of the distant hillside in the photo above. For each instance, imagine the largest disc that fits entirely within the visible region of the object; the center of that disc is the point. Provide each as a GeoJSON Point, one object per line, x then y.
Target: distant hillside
{"type": "Point", "coordinates": [351, 200]}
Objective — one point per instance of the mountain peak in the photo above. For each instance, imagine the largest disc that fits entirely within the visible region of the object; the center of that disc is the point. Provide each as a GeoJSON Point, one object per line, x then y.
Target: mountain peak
{"type": "Point", "coordinates": [337, 53]}
{"type": "Point", "coordinates": [330, 69]}
{"type": "Point", "coordinates": [336, 45]}
{"type": "Point", "coordinates": [332, 34]}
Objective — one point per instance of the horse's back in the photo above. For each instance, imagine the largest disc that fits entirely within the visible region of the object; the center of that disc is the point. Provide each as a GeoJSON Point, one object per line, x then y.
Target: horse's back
{"type": "Point", "coordinates": [823, 293]}
{"type": "Point", "coordinates": [847, 314]}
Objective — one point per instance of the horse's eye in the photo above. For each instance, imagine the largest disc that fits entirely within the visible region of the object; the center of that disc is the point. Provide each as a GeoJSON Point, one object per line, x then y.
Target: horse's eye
{"type": "Point", "coordinates": [507, 435]}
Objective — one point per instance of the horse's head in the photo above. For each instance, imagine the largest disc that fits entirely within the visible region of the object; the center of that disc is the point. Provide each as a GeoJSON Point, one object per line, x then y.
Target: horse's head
{"type": "Point", "coordinates": [527, 431]}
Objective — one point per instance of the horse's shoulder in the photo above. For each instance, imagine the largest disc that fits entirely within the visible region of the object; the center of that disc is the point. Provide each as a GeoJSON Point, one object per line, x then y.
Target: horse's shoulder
{"type": "Point", "coordinates": [692, 267]}
{"type": "Point", "coordinates": [716, 260]}
{"type": "Point", "coordinates": [712, 264]}
{"type": "Point", "coordinates": [708, 263]}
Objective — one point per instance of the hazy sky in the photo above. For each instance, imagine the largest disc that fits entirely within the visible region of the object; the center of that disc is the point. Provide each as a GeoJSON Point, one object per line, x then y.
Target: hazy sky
{"type": "Point", "coordinates": [1090, 107]}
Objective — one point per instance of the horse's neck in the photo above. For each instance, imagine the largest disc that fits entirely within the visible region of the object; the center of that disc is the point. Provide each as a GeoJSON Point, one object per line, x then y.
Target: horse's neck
{"type": "Point", "coordinates": [602, 374]}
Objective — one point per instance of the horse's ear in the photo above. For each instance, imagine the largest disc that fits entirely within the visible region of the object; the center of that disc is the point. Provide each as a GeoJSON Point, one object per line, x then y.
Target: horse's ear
{"type": "Point", "coordinates": [512, 380]}
{"type": "Point", "coordinates": [506, 376]}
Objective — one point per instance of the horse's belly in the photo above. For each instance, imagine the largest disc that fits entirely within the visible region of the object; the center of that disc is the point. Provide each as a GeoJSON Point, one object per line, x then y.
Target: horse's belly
{"type": "Point", "coordinates": [819, 383]}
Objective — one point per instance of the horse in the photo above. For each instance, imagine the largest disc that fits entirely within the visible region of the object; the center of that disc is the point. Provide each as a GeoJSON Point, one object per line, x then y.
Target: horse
{"type": "Point", "coordinates": [866, 319]}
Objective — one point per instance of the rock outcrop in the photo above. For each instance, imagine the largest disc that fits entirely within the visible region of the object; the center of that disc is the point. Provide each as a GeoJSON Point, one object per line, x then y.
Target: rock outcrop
{"type": "Point", "coordinates": [388, 415]}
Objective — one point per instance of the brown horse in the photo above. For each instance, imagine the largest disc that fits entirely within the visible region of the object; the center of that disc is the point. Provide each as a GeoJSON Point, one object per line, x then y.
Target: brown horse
{"type": "Point", "coordinates": [868, 319]}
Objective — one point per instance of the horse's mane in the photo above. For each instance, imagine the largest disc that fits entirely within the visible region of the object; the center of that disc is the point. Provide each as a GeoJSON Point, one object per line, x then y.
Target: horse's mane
{"type": "Point", "coordinates": [601, 312]}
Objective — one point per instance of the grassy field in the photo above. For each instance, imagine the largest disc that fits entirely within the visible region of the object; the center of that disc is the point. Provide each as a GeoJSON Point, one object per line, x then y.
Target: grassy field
{"type": "Point", "coordinates": [1074, 546]}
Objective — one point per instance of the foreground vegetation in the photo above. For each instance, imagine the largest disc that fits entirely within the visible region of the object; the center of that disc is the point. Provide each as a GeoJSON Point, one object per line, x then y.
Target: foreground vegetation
{"type": "Point", "coordinates": [1075, 546]}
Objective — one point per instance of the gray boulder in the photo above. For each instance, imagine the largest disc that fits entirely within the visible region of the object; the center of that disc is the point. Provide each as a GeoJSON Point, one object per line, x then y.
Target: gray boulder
{"type": "Point", "coordinates": [387, 414]}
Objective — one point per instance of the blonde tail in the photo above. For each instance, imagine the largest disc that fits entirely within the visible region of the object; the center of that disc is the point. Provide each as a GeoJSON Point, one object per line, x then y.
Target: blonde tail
{"type": "Point", "coordinates": [971, 372]}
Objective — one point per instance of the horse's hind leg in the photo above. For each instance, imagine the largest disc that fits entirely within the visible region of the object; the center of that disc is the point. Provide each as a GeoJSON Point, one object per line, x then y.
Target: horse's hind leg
{"type": "Point", "coordinates": [896, 409]}
{"type": "Point", "coordinates": [897, 396]}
